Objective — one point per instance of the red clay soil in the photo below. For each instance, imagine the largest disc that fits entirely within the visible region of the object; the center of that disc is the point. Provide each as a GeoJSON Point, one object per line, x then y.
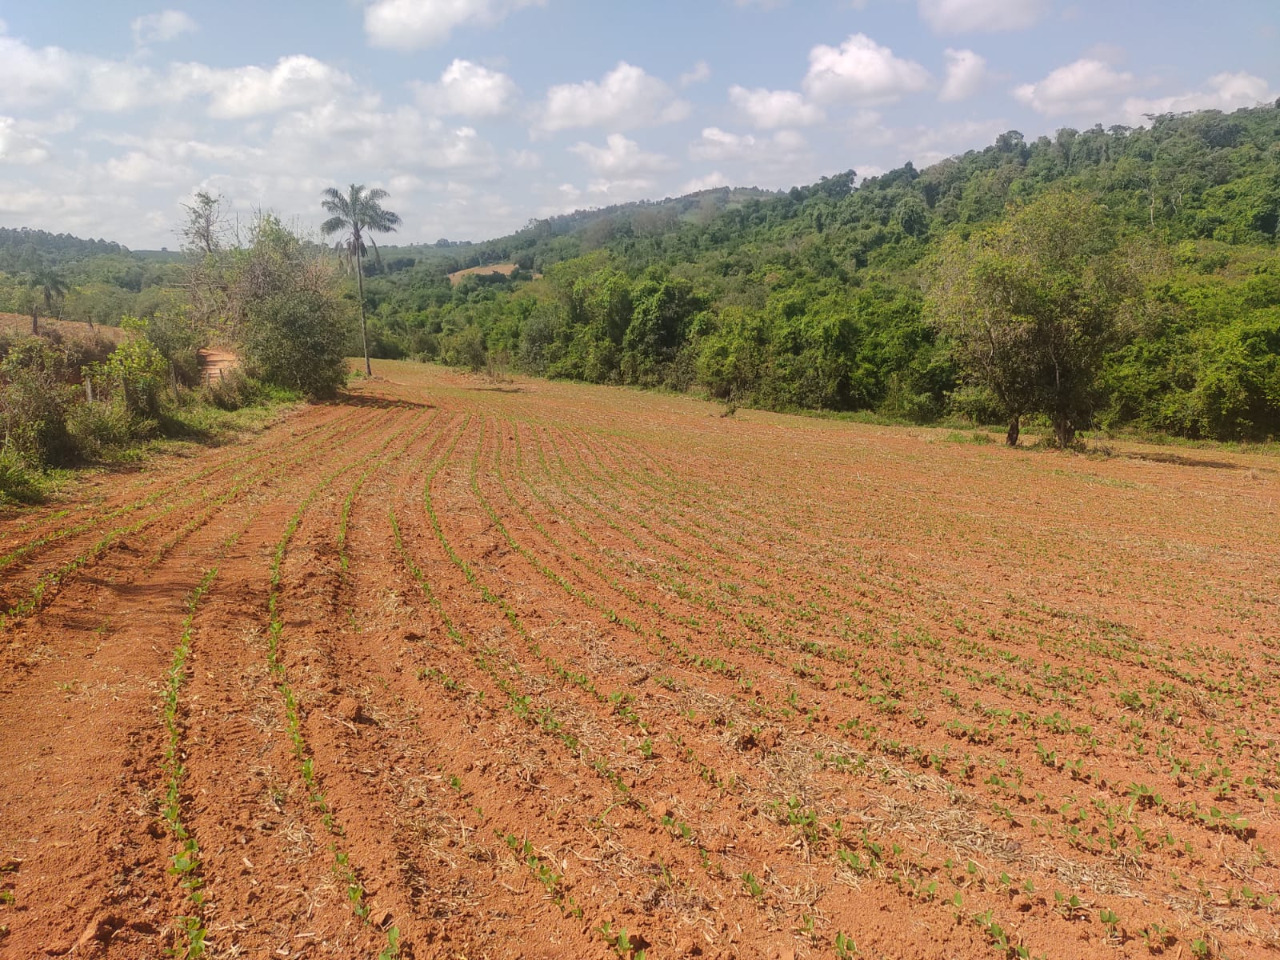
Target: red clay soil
{"type": "Point", "coordinates": [458, 669]}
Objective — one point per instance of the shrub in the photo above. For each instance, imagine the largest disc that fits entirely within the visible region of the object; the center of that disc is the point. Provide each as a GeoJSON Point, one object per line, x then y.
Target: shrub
{"type": "Point", "coordinates": [1238, 394]}
{"type": "Point", "coordinates": [976, 403]}
{"type": "Point", "coordinates": [80, 351]}
{"type": "Point", "coordinates": [466, 348]}
{"type": "Point", "coordinates": [295, 340]}
{"type": "Point", "coordinates": [178, 341]}
{"type": "Point", "coordinates": [18, 482]}
{"type": "Point", "coordinates": [233, 391]}
{"type": "Point", "coordinates": [34, 399]}
{"type": "Point", "coordinates": [97, 428]}
{"type": "Point", "coordinates": [136, 372]}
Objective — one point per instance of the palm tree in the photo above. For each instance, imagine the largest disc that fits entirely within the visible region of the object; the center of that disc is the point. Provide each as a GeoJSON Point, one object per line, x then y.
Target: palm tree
{"type": "Point", "coordinates": [357, 215]}
{"type": "Point", "coordinates": [49, 285]}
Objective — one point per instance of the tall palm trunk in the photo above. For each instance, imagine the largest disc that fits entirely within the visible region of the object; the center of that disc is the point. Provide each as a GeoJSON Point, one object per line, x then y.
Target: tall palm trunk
{"type": "Point", "coordinates": [364, 333]}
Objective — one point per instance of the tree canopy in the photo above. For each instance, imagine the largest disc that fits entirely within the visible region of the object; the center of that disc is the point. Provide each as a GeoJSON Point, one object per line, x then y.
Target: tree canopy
{"type": "Point", "coordinates": [826, 296]}
{"type": "Point", "coordinates": [357, 215]}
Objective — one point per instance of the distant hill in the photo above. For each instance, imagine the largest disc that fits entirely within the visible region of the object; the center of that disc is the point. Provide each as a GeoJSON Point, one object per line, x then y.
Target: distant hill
{"type": "Point", "coordinates": [159, 256]}
{"type": "Point", "coordinates": [571, 234]}
{"type": "Point", "coordinates": [20, 246]}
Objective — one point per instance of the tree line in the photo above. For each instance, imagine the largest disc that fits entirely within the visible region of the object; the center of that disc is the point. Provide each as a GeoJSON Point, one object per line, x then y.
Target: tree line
{"type": "Point", "coordinates": [1108, 278]}
{"type": "Point", "coordinates": [1118, 278]}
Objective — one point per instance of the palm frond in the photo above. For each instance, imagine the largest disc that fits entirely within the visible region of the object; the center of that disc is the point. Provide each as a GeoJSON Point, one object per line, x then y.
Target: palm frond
{"type": "Point", "coordinates": [339, 208]}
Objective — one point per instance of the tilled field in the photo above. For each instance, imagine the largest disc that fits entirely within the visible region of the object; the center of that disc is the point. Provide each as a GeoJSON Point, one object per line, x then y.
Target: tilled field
{"type": "Point", "coordinates": [467, 670]}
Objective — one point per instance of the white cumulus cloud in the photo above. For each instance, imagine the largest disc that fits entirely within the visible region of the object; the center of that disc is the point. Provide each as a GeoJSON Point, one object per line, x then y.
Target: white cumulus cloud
{"type": "Point", "coordinates": [239, 92]}
{"type": "Point", "coordinates": [1087, 86]}
{"type": "Point", "coordinates": [414, 24]}
{"type": "Point", "coordinates": [139, 167]}
{"type": "Point", "coordinates": [620, 157]}
{"type": "Point", "coordinates": [862, 71]}
{"type": "Point", "coordinates": [19, 145]}
{"type": "Point", "coordinates": [468, 89]}
{"type": "Point", "coordinates": [966, 72]}
{"type": "Point", "coordinates": [625, 97]}
{"type": "Point", "coordinates": [1224, 91]}
{"type": "Point", "coordinates": [376, 138]}
{"type": "Point", "coordinates": [771, 109]}
{"type": "Point", "coordinates": [700, 73]}
{"type": "Point", "coordinates": [981, 16]}
{"type": "Point", "coordinates": [716, 144]}
{"type": "Point", "coordinates": [709, 182]}
{"type": "Point", "coordinates": [31, 76]}
{"type": "Point", "coordinates": [162, 27]}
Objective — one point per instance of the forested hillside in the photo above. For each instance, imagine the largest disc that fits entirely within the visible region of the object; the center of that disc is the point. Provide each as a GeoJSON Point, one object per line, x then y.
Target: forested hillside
{"type": "Point", "coordinates": [847, 295]}
{"type": "Point", "coordinates": [569, 235]}
{"type": "Point", "coordinates": [19, 246]}
{"type": "Point", "coordinates": [819, 298]}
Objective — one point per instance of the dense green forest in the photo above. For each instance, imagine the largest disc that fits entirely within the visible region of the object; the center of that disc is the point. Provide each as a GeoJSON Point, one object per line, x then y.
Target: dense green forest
{"type": "Point", "coordinates": [837, 296]}
{"type": "Point", "coordinates": [818, 298]}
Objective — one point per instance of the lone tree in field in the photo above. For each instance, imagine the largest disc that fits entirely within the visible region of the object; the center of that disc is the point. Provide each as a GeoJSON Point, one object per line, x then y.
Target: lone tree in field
{"type": "Point", "coordinates": [357, 215]}
{"type": "Point", "coordinates": [1031, 305]}
{"type": "Point", "coordinates": [47, 285]}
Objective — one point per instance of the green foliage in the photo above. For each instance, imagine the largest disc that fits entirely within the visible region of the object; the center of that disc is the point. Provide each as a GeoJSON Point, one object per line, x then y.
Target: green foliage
{"type": "Point", "coordinates": [1031, 306]}
{"type": "Point", "coordinates": [805, 299]}
{"type": "Point", "coordinates": [135, 373]}
{"type": "Point", "coordinates": [466, 348]}
{"type": "Point", "coordinates": [296, 340]}
{"type": "Point", "coordinates": [235, 391]}
{"type": "Point", "coordinates": [178, 340]}
{"type": "Point", "coordinates": [35, 396]}
{"type": "Point", "coordinates": [295, 325]}
{"type": "Point", "coordinates": [69, 398]}
{"type": "Point", "coordinates": [18, 482]}
{"type": "Point", "coordinates": [98, 429]}
{"type": "Point", "coordinates": [1140, 258]}
{"type": "Point", "coordinates": [1238, 391]}
{"type": "Point", "coordinates": [1206, 367]}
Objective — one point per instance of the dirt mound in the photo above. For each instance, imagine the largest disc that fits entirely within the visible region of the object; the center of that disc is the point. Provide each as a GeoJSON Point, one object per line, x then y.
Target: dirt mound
{"type": "Point", "coordinates": [578, 672]}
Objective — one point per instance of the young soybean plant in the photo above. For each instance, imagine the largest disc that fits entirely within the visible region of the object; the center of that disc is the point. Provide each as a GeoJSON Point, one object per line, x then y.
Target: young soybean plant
{"type": "Point", "coordinates": [392, 950]}
{"type": "Point", "coordinates": [622, 944]}
{"type": "Point", "coordinates": [846, 949]}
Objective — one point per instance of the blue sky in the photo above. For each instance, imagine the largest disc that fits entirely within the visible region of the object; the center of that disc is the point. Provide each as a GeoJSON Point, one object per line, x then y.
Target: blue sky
{"type": "Point", "coordinates": [478, 115]}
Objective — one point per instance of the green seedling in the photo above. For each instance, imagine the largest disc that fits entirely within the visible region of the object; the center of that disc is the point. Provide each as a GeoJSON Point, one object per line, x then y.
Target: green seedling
{"type": "Point", "coordinates": [846, 949]}
{"type": "Point", "coordinates": [392, 950]}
